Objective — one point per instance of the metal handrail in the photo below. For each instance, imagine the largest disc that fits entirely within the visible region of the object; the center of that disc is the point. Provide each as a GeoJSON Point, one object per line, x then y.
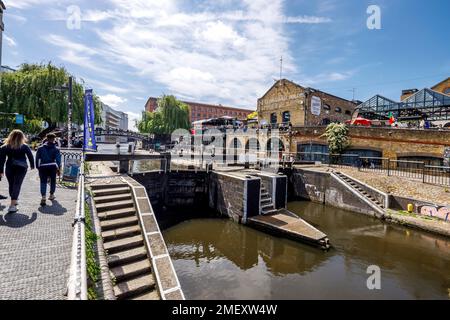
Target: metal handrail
{"type": "Point", "coordinates": [77, 285]}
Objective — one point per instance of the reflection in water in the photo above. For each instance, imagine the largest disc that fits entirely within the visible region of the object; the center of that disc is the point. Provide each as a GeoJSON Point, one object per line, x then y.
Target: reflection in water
{"type": "Point", "coordinates": [219, 259]}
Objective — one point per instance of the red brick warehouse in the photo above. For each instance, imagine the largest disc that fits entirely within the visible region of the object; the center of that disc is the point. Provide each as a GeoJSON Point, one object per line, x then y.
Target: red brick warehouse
{"type": "Point", "coordinates": [202, 111]}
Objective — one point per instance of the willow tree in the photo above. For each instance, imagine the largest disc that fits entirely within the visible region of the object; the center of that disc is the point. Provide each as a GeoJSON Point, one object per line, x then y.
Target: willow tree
{"type": "Point", "coordinates": [33, 91]}
{"type": "Point", "coordinates": [171, 114]}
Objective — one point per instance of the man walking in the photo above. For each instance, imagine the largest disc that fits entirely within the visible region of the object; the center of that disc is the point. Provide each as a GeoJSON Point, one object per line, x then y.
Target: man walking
{"type": "Point", "coordinates": [48, 162]}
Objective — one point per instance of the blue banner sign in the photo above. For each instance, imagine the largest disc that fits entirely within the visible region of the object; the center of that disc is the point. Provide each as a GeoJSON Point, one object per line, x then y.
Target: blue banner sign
{"type": "Point", "coordinates": [89, 122]}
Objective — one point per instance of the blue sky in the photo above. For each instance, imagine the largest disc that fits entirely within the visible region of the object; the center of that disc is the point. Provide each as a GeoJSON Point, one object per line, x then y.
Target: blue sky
{"type": "Point", "coordinates": [228, 52]}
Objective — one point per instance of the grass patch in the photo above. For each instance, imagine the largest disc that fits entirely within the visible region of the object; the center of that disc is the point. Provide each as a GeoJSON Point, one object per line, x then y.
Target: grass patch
{"type": "Point", "coordinates": [412, 214]}
{"type": "Point", "coordinates": [93, 268]}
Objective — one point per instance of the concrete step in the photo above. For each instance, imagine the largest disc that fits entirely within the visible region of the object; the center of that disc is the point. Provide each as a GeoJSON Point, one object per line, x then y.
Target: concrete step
{"type": "Point", "coordinates": [152, 295]}
{"type": "Point", "coordinates": [121, 233]}
{"type": "Point", "coordinates": [102, 207]}
{"type": "Point", "coordinates": [127, 256]}
{"type": "Point", "coordinates": [134, 287]}
{"type": "Point", "coordinates": [267, 206]}
{"type": "Point", "coordinates": [266, 200]}
{"type": "Point", "coordinates": [117, 214]}
{"type": "Point", "coordinates": [265, 195]}
{"type": "Point", "coordinates": [124, 244]}
{"type": "Point", "coordinates": [107, 225]}
{"type": "Point", "coordinates": [131, 270]}
{"type": "Point", "coordinates": [110, 191]}
{"type": "Point", "coordinates": [112, 198]}
{"type": "Point", "coordinates": [96, 187]}
{"type": "Point", "coordinates": [268, 212]}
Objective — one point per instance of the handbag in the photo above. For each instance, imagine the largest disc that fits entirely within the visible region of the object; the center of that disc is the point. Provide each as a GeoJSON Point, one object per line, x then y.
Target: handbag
{"type": "Point", "coordinates": [20, 163]}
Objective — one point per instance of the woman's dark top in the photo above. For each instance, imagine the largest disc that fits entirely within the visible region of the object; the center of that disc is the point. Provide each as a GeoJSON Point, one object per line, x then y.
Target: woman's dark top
{"type": "Point", "coordinates": [20, 154]}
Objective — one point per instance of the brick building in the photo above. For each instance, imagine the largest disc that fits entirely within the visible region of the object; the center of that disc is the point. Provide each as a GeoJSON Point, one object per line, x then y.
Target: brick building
{"type": "Point", "coordinates": [443, 86]}
{"type": "Point", "coordinates": [287, 102]}
{"type": "Point", "coordinates": [202, 111]}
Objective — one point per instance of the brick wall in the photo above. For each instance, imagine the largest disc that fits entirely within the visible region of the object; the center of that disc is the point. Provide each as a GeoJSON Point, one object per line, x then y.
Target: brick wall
{"type": "Point", "coordinates": [391, 142]}
{"type": "Point", "coordinates": [202, 111]}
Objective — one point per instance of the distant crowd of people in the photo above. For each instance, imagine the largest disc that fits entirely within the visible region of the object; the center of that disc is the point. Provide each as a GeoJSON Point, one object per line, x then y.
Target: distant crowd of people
{"type": "Point", "coordinates": [16, 158]}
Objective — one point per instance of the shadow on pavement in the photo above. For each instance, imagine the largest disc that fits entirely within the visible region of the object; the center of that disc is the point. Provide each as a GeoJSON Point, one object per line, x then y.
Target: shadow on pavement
{"type": "Point", "coordinates": [17, 220]}
{"type": "Point", "coordinates": [55, 209]}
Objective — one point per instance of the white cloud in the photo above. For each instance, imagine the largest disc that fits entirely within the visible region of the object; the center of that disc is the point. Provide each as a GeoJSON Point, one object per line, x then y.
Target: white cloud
{"type": "Point", "coordinates": [113, 100]}
{"type": "Point", "coordinates": [10, 41]}
{"type": "Point", "coordinates": [206, 52]}
{"type": "Point", "coordinates": [20, 19]}
{"type": "Point", "coordinates": [25, 4]}
{"type": "Point", "coordinates": [78, 54]}
{"type": "Point", "coordinates": [218, 56]}
{"type": "Point", "coordinates": [328, 77]}
{"type": "Point", "coordinates": [97, 84]}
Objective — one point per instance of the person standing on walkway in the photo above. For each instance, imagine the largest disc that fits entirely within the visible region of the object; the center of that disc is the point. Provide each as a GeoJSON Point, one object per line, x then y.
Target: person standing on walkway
{"type": "Point", "coordinates": [15, 153]}
{"type": "Point", "coordinates": [48, 162]}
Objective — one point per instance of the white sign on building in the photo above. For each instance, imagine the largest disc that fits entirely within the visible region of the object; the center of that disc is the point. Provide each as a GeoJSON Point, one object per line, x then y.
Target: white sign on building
{"type": "Point", "coordinates": [316, 105]}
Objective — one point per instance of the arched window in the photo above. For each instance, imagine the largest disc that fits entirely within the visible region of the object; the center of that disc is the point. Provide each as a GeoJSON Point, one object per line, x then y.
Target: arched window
{"type": "Point", "coordinates": [348, 112]}
{"type": "Point", "coordinates": [338, 110]}
{"type": "Point", "coordinates": [286, 117]}
{"type": "Point", "coordinates": [273, 118]}
{"type": "Point", "coordinates": [326, 107]}
{"type": "Point", "coordinates": [325, 122]}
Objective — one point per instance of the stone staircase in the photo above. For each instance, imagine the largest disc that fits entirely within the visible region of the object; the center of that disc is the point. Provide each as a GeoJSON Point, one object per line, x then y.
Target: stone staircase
{"type": "Point", "coordinates": [351, 183]}
{"type": "Point", "coordinates": [266, 202]}
{"type": "Point", "coordinates": [128, 260]}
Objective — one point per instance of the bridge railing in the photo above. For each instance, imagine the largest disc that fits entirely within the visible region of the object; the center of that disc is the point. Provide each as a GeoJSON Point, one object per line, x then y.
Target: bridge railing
{"type": "Point", "coordinates": [77, 284]}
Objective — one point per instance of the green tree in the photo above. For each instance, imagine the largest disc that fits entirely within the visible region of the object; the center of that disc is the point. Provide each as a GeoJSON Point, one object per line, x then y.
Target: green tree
{"type": "Point", "coordinates": [31, 91]}
{"type": "Point", "coordinates": [171, 114]}
{"type": "Point", "coordinates": [337, 137]}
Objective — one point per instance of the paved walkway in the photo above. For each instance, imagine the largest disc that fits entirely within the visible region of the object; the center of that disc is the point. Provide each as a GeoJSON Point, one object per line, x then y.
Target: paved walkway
{"type": "Point", "coordinates": [35, 243]}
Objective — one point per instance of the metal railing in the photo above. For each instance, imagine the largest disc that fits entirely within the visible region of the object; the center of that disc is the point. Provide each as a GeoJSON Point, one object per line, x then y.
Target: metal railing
{"type": "Point", "coordinates": [438, 175]}
{"type": "Point", "coordinates": [77, 284]}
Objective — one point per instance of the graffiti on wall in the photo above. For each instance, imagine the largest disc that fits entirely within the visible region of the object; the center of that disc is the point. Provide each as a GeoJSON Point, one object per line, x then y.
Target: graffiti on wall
{"type": "Point", "coordinates": [442, 213]}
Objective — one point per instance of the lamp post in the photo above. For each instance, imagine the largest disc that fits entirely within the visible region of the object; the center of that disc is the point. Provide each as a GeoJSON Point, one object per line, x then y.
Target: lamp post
{"type": "Point", "coordinates": [69, 88]}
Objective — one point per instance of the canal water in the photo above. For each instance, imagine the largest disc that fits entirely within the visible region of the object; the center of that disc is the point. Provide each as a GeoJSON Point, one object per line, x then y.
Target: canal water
{"type": "Point", "coordinates": [219, 259]}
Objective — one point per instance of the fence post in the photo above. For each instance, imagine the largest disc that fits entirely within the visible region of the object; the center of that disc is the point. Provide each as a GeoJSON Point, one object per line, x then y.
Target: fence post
{"type": "Point", "coordinates": [389, 167]}
{"type": "Point", "coordinates": [423, 173]}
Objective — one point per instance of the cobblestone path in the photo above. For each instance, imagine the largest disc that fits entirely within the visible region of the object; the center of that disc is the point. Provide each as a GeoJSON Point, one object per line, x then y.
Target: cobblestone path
{"type": "Point", "coordinates": [35, 243]}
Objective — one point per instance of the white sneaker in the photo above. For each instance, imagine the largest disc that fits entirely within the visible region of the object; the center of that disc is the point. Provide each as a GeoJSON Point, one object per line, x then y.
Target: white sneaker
{"type": "Point", "coordinates": [52, 197]}
{"type": "Point", "coordinates": [12, 209]}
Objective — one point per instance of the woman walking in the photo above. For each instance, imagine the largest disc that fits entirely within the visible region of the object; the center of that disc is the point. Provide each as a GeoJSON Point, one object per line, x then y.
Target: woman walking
{"type": "Point", "coordinates": [15, 152]}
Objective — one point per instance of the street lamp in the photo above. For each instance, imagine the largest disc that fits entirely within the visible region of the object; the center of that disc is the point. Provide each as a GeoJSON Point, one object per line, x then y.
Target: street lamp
{"type": "Point", "coordinates": [70, 106]}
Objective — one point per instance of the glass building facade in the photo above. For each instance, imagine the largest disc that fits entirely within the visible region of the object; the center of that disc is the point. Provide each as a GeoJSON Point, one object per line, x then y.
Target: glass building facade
{"type": "Point", "coordinates": [425, 104]}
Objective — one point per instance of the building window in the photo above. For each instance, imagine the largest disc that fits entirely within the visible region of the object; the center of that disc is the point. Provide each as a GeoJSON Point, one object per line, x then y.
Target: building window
{"type": "Point", "coordinates": [286, 117]}
{"type": "Point", "coordinates": [273, 118]}
{"type": "Point", "coordinates": [447, 91]}
{"type": "Point", "coordinates": [348, 112]}
{"type": "Point", "coordinates": [326, 107]}
{"type": "Point", "coordinates": [338, 110]}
